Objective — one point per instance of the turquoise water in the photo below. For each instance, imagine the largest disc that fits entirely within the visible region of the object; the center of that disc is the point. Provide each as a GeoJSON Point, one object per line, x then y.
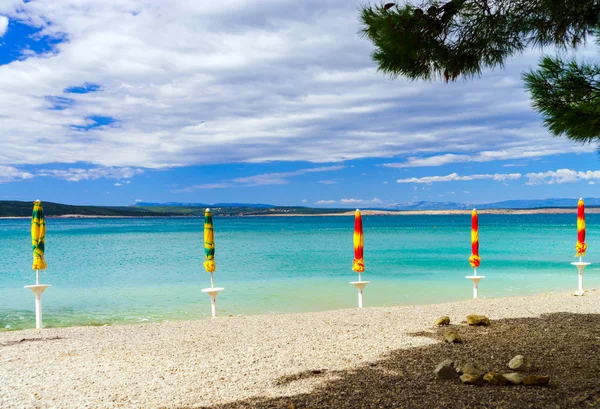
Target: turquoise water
{"type": "Point", "coordinates": [108, 271]}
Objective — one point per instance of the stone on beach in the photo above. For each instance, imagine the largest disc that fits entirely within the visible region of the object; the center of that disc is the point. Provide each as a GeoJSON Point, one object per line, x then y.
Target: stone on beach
{"type": "Point", "coordinates": [494, 378]}
{"type": "Point", "coordinates": [445, 320]}
{"type": "Point", "coordinates": [478, 320]}
{"type": "Point", "coordinates": [536, 380]}
{"type": "Point", "coordinates": [520, 363]}
{"type": "Point", "coordinates": [472, 368]}
{"type": "Point", "coordinates": [469, 379]}
{"type": "Point", "coordinates": [452, 337]}
{"type": "Point", "coordinates": [514, 378]}
{"type": "Point", "coordinates": [445, 370]}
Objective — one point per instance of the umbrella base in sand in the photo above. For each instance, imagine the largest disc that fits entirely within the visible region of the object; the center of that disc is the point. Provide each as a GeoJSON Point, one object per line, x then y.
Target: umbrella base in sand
{"type": "Point", "coordinates": [360, 285]}
{"type": "Point", "coordinates": [213, 292]}
{"type": "Point", "coordinates": [580, 266]}
{"type": "Point", "coordinates": [475, 280]}
{"type": "Point", "coordinates": [38, 290]}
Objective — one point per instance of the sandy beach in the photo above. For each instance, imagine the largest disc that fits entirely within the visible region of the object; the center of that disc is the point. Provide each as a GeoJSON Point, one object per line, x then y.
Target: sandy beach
{"type": "Point", "coordinates": [374, 357]}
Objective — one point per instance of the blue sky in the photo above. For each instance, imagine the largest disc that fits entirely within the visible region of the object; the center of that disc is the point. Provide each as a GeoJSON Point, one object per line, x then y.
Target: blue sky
{"type": "Point", "coordinates": [247, 102]}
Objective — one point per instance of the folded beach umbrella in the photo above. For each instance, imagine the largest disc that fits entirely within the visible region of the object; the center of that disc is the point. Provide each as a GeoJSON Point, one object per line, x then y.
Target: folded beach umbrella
{"type": "Point", "coordinates": [209, 243]}
{"type": "Point", "coordinates": [38, 237]}
{"type": "Point", "coordinates": [209, 264]}
{"type": "Point", "coordinates": [358, 264]}
{"type": "Point", "coordinates": [580, 247]}
{"type": "Point", "coordinates": [474, 260]}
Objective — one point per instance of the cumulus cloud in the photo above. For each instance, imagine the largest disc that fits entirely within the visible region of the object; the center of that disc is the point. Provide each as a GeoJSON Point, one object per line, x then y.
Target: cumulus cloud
{"type": "Point", "coordinates": [352, 201]}
{"type": "Point", "coordinates": [3, 25]}
{"type": "Point", "coordinates": [195, 83]}
{"type": "Point", "coordinates": [11, 174]}
{"type": "Point", "coordinates": [561, 176]}
{"type": "Point", "coordinates": [276, 178]}
{"type": "Point", "coordinates": [453, 177]}
{"type": "Point", "coordinates": [484, 156]}
{"type": "Point", "coordinates": [79, 174]}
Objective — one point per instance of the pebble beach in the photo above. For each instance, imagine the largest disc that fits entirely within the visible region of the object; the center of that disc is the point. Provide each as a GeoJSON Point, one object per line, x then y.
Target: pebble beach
{"type": "Point", "coordinates": [374, 357]}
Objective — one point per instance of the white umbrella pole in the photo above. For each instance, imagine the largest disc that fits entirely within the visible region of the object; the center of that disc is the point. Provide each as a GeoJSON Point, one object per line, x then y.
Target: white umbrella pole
{"type": "Point", "coordinates": [213, 292]}
{"type": "Point", "coordinates": [475, 279]}
{"type": "Point", "coordinates": [360, 285]}
{"type": "Point", "coordinates": [37, 277]}
{"type": "Point", "coordinates": [38, 289]}
{"type": "Point", "coordinates": [581, 265]}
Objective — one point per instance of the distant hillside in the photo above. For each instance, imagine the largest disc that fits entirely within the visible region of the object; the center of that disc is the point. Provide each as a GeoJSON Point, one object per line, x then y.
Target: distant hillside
{"type": "Point", "coordinates": [24, 209]}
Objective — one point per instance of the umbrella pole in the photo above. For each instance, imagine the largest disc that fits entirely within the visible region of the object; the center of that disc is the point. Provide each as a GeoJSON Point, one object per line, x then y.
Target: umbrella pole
{"type": "Point", "coordinates": [37, 277]}
{"type": "Point", "coordinates": [581, 265]}
{"type": "Point", "coordinates": [212, 280]}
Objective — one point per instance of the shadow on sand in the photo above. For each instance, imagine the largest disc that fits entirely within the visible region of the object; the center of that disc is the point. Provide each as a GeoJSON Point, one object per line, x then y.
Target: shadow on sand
{"type": "Point", "coordinates": [563, 345]}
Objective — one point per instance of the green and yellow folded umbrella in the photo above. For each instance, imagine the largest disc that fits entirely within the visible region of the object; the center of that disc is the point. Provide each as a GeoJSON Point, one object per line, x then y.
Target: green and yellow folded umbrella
{"type": "Point", "coordinates": [209, 242]}
{"type": "Point", "coordinates": [38, 236]}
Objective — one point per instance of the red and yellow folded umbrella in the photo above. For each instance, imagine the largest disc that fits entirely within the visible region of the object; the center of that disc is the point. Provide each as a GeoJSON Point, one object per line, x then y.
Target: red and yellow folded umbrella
{"type": "Point", "coordinates": [358, 264]}
{"type": "Point", "coordinates": [580, 247]}
{"type": "Point", "coordinates": [474, 260]}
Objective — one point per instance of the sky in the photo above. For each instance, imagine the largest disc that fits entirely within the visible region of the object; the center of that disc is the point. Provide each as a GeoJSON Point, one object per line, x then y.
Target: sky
{"type": "Point", "coordinates": [256, 101]}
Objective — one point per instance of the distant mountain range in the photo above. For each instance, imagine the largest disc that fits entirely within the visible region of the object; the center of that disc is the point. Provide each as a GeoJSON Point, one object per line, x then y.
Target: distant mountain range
{"type": "Point", "coordinates": [507, 204]}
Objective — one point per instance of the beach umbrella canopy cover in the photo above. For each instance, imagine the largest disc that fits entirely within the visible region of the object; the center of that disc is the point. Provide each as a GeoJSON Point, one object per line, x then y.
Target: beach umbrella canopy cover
{"type": "Point", "coordinates": [38, 236]}
{"type": "Point", "coordinates": [474, 260]}
{"type": "Point", "coordinates": [358, 264]}
{"type": "Point", "coordinates": [209, 242]}
{"type": "Point", "coordinates": [580, 247]}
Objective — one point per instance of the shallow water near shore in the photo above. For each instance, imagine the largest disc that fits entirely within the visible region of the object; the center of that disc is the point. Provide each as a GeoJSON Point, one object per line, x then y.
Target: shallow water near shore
{"type": "Point", "coordinates": [110, 271]}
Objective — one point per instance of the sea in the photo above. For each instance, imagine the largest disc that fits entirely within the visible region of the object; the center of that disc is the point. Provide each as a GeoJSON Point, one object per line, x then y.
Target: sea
{"type": "Point", "coordinates": [134, 270]}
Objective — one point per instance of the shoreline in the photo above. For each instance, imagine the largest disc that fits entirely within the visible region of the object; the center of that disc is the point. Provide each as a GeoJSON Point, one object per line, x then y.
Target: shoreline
{"type": "Point", "coordinates": [366, 212]}
{"type": "Point", "coordinates": [266, 361]}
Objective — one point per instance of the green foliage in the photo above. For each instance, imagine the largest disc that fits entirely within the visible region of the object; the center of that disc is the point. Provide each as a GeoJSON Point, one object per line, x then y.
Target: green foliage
{"type": "Point", "coordinates": [567, 94]}
{"type": "Point", "coordinates": [462, 37]}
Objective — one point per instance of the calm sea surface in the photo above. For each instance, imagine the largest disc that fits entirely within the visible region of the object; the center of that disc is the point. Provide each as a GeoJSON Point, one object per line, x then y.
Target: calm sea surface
{"type": "Point", "coordinates": [108, 271]}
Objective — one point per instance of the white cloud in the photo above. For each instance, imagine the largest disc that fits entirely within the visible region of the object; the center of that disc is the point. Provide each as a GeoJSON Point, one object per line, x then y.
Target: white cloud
{"type": "Point", "coordinates": [277, 178]}
{"type": "Point", "coordinates": [328, 182]}
{"type": "Point", "coordinates": [194, 83]}
{"type": "Point", "coordinates": [352, 201]}
{"type": "Point", "coordinates": [78, 174]}
{"type": "Point", "coordinates": [486, 156]}
{"type": "Point", "coordinates": [3, 25]}
{"type": "Point", "coordinates": [361, 201]}
{"type": "Point", "coordinates": [304, 200]}
{"type": "Point", "coordinates": [500, 177]}
{"type": "Point", "coordinates": [11, 174]}
{"type": "Point", "coordinates": [561, 176]}
{"type": "Point", "coordinates": [118, 184]}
